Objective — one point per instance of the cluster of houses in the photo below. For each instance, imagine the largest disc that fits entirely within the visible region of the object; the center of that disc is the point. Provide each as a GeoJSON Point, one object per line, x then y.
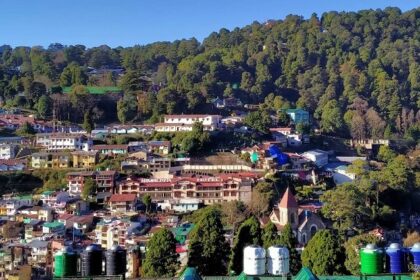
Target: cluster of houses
{"type": "Point", "coordinates": [34, 227]}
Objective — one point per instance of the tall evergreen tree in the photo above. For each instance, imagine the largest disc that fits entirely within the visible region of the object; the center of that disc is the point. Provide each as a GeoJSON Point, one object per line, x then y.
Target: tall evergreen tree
{"type": "Point", "coordinates": [288, 239]}
{"type": "Point", "coordinates": [208, 247]}
{"type": "Point", "coordinates": [323, 254]}
{"type": "Point", "coordinates": [270, 235]}
{"type": "Point", "coordinates": [249, 233]}
{"type": "Point", "coordinates": [88, 124]}
{"type": "Point", "coordinates": [161, 257]}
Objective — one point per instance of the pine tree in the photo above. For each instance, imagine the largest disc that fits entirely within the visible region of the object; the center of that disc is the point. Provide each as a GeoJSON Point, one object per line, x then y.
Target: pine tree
{"type": "Point", "coordinates": [161, 257]}
{"type": "Point", "coordinates": [323, 254]}
{"type": "Point", "coordinates": [288, 239]}
{"type": "Point", "coordinates": [270, 235]}
{"type": "Point", "coordinates": [249, 233]}
{"type": "Point", "coordinates": [88, 124]}
{"type": "Point", "coordinates": [208, 247]}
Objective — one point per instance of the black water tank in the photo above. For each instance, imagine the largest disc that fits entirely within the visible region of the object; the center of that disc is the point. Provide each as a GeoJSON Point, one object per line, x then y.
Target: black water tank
{"type": "Point", "coordinates": [91, 260]}
{"type": "Point", "coordinates": [116, 261]}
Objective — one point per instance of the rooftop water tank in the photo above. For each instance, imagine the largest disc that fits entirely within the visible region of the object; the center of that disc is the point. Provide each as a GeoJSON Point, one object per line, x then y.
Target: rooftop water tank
{"type": "Point", "coordinates": [371, 259]}
{"type": "Point", "coordinates": [278, 260]}
{"type": "Point", "coordinates": [91, 260]}
{"type": "Point", "coordinates": [415, 251]}
{"type": "Point", "coordinates": [65, 263]}
{"type": "Point", "coordinates": [254, 260]}
{"type": "Point", "coordinates": [116, 261]}
{"type": "Point", "coordinates": [396, 258]}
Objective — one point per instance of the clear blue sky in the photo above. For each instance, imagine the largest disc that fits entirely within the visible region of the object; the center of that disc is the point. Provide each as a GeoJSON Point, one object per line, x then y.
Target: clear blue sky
{"type": "Point", "coordinates": [129, 22]}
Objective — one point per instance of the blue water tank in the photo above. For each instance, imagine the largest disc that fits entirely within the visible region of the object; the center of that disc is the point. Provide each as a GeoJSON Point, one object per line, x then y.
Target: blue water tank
{"type": "Point", "coordinates": [415, 252]}
{"type": "Point", "coordinates": [396, 258]}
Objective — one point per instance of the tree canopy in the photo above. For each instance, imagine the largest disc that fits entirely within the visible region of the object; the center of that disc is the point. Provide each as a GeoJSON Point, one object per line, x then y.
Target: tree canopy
{"type": "Point", "coordinates": [208, 247]}
{"type": "Point", "coordinates": [161, 257]}
{"type": "Point", "coordinates": [323, 254]}
{"type": "Point", "coordinates": [355, 72]}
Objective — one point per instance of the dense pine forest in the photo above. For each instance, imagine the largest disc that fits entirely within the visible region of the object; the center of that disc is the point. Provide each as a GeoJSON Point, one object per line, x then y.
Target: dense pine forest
{"type": "Point", "coordinates": [358, 73]}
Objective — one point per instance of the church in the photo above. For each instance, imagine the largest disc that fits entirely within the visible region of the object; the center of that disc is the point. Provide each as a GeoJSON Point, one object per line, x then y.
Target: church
{"type": "Point", "coordinates": [304, 222]}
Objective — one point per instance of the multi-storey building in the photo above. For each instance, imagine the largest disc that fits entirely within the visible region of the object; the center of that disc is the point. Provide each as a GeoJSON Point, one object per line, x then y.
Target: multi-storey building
{"type": "Point", "coordinates": [63, 141]}
{"type": "Point", "coordinates": [50, 160]}
{"type": "Point", "coordinates": [111, 149]}
{"type": "Point", "coordinates": [153, 147]}
{"type": "Point", "coordinates": [8, 151]}
{"type": "Point", "coordinates": [174, 123]}
{"type": "Point", "coordinates": [122, 202]}
{"type": "Point", "coordinates": [105, 181]}
{"type": "Point", "coordinates": [115, 232]}
{"type": "Point", "coordinates": [84, 159]}
{"type": "Point", "coordinates": [209, 190]}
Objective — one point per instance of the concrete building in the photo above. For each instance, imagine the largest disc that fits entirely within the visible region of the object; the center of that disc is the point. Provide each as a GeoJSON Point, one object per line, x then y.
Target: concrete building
{"type": "Point", "coordinates": [319, 157]}
{"type": "Point", "coordinates": [105, 181]}
{"type": "Point", "coordinates": [122, 202]}
{"type": "Point", "coordinates": [8, 151]}
{"type": "Point", "coordinates": [50, 160]}
{"type": "Point", "coordinates": [85, 159]}
{"type": "Point", "coordinates": [180, 205]}
{"type": "Point", "coordinates": [207, 189]}
{"type": "Point", "coordinates": [63, 141]}
{"type": "Point", "coordinates": [111, 149]}
{"type": "Point", "coordinates": [175, 123]}
{"type": "Point", "coordinates": [298, 116]}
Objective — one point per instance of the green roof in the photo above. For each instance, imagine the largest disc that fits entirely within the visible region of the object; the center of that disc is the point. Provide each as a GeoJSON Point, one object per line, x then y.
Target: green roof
{"type": "Point", "coordinates": [53, 224]}
{"type": "Point", "coordinates": [183, 230]}
{"type": "Point", "coordinates": [24, 197]}
{"type": "Point", "coordinates": [295, 110]}
{"type": "Point", "coordinates": [96, 90]}
{"type": "Point", "coordinates": [305, 274]}
{"type": "Point", "coordinates": [48, 192]}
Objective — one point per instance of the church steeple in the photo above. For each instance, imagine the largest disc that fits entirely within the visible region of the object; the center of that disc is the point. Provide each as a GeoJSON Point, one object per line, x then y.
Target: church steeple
{"type": "Point", "coordinates": [288, 209]}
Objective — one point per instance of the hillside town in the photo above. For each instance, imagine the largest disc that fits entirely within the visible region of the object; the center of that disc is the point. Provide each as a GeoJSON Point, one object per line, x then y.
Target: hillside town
{"type": "Point", "coordinates": [154, 187]}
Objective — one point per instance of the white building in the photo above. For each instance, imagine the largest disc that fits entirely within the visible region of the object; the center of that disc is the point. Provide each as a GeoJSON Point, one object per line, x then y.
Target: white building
{"type": "Point", "coordinates": [174, 123]}
{"type": "Point", "coordinates": [341, 175]}
{"type": "Point", "coordinates": [64, 141]}
{"type": "Point", "coordinates": [319, 157]}
{"type": "Point", "coordinates": [180, 205]}
{"type": "Point", "coordinates": [8, 151]}
{"type": "Point", "coordinates": [14, 204]}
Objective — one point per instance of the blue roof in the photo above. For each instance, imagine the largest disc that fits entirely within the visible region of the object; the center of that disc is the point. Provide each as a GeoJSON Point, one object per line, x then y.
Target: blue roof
{"type": "Point", "coordinates": [298, 110]}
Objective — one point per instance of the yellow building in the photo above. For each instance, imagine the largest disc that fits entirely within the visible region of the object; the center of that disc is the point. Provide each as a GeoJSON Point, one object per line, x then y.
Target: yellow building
{"type": "Point", "coordinates": [3, 210]}
{"type": "Point", "coordinates": [50, 160]}
{"type": "Point", "coordinates": [84, 159]}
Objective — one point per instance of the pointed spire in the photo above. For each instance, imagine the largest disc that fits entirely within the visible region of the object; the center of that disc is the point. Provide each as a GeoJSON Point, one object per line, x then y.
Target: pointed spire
{"type": "Point", "coordinates": [288, 200]}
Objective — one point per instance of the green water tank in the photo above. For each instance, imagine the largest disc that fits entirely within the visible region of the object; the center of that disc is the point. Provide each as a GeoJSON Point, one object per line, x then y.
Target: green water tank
{"type": "Point", "coordinates": [372, 260]}
{"type": "Point", "coordinates": [254, 157]}
{"type": "Point", "coordinates": [65, 263]}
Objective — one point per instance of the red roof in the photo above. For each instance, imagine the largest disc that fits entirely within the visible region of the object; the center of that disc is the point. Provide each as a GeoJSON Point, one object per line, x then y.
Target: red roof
{"type": "Point", "coordinates": [110, 147]}
{"type": "Point", "coordinates": [288, 200]}
{"type": "Point", "coordinates": [122, 197]}
{"type": "Point", "coordinates": [11, 162]}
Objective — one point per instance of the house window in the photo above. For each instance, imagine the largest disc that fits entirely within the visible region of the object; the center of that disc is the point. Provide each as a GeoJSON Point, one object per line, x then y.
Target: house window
{"type": "Point", "coordinates": [304, 238]}
{"type": "Point", "coordinates": [313, 230]}
{"type": "Point", "coordinates": [292, 218]}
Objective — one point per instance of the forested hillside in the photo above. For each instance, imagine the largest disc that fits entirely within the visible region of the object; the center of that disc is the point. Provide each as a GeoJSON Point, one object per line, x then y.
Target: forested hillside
{"type": "Point", "coordinates": [357, 73]}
